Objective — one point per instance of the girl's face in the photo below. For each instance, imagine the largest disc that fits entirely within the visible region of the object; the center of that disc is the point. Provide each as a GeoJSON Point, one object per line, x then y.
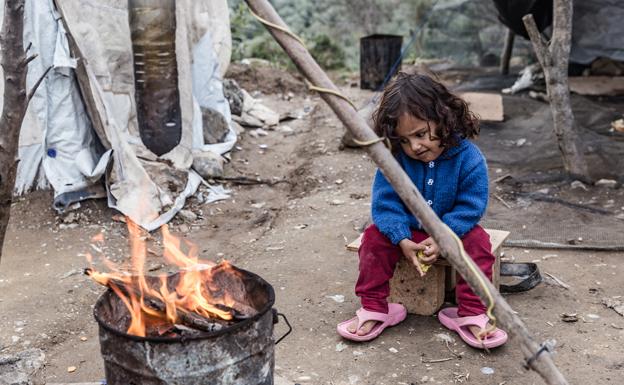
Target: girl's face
{"type": "Point", "coordinates": [417, 138]}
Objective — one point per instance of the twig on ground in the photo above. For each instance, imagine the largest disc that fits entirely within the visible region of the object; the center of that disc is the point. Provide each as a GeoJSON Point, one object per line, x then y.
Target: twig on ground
{"type": "Point", "coordinates": [535, 244]}
{"type": "Point", "coordinates": [501, 178]}
{"type": "Point", "coordinates": [551, 199]}
{"type": "Point", "coordinates": [457, 355]}
{"type": "Point", "coordinates": [504, 202]}
{"type": "Point", "coordinates": [426, 361]}
{"type": "Point", "coordinates": [558, 281]}
{"type": "Point", "coordinates": [247, 181]}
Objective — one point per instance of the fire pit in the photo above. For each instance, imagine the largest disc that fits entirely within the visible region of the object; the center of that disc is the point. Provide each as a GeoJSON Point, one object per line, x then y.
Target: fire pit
{"type": "Point", "coordinates": [205, 324]}
{"type": "Point", "coordinates": [238, 353]}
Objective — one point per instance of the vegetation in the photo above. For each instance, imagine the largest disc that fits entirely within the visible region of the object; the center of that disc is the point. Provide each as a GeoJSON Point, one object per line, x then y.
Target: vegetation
{"type": "Point", "coordinates": [461, 30]}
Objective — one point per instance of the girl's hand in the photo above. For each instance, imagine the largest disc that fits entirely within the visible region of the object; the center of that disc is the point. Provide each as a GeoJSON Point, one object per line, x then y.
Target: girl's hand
{"type": "Point", "coordinates": [431, 251]}
{"type": "Point", "coordinates": [410, 250]}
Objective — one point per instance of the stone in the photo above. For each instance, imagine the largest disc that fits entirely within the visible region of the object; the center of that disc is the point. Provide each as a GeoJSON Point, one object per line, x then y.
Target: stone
{"type": "Point", "coordinates": [187, 215]}
{"type": "Point", "coordinates": [609, 183]}
{"type": "Point", "coordinates": [254, 112]}
{"type": "Point", "coordinates": [215, 126]}
{"type": "Point", "coordinates": [234, 95]}
{"type": "Point", "coordinates": [19, 368]}
{"type": "Point", "coordinates": [578, 184]}
{"type": "Point", "coordinates": [208, 164]}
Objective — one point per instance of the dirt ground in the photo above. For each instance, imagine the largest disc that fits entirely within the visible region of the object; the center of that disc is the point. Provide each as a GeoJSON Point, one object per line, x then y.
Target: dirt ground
{"type": "Point", "coordinates": [293, 234]}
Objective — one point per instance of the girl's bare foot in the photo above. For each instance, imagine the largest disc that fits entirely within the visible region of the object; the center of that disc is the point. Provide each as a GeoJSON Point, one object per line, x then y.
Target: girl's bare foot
{"type": "Point", "coordinates": [477, 330]}
{"type": "Point", "coordinates": [364, 329]}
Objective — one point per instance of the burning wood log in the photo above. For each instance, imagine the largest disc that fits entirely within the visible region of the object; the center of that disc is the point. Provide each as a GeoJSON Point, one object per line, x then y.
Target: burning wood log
{"type": "Point", "coordinates": [188, 319]}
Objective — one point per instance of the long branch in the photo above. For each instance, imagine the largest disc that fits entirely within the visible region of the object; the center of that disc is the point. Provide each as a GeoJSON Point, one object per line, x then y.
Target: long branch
{"type": "Point", "coordinates": [412, 198]}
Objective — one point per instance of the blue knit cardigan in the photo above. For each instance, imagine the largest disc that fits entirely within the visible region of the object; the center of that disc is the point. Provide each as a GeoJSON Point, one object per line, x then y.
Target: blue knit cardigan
{"type": "Point", "coordinates": [455, 185]}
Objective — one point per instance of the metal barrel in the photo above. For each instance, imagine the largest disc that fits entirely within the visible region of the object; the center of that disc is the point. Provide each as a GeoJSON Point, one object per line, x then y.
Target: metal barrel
{"type": "Point", "coordinates": [242, 353]}
{"type": "Point", "coordinates": [378, 54]}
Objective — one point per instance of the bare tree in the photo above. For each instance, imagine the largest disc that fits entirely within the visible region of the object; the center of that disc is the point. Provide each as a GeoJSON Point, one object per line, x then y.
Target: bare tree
{"type": "Point", "coordinates": [15, 66]}
{"type": "Point", "coordinates": [553, 57]}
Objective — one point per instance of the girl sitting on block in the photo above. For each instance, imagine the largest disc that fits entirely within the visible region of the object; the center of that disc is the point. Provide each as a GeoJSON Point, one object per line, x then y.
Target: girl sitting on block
{"type": "Point", "coordinates": [429, 128]}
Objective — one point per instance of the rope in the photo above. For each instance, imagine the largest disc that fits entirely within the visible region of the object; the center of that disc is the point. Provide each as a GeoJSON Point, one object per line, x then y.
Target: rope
{"type": "Point", "coordinates": [367, 143]}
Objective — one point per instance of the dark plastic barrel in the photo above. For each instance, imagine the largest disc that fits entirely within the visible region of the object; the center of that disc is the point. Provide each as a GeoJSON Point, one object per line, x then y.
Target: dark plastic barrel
{"type": "Point", "coordinates": [240, 354]}
{"type": "Point", "coordinates": [153, 33]}
{"type": "Point", "coordinates": [378, 54]}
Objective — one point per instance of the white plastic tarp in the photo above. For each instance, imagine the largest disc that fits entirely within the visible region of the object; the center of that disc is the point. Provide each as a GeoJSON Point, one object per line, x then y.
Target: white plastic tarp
{"type": "Point", "coordinates": [58, 142]}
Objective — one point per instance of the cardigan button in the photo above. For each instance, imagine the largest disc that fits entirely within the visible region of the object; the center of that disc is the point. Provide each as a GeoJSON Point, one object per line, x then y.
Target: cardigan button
{"type": "Point", "coordinates": [430, 182]}
{"type": "Point", "coordinates": [429, 202]}
{"type": "Point", "coordinates": [431, 164]}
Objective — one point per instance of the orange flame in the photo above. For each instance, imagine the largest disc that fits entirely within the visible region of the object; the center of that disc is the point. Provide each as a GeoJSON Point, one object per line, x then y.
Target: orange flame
{"type": "Point", "coordinates": [138, 295]}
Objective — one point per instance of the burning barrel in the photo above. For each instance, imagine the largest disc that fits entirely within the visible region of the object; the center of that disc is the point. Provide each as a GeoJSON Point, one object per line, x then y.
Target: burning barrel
{"type": "Point", "coordinates": [236, 351]}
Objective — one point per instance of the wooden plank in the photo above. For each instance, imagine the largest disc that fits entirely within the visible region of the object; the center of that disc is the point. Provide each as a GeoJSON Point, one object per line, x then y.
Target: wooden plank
{"type": "Point", "coordinates": [497, 237]}
{"type": "Point", "coordinates": [489, 107]}
{"type": "Point", "coordinates": [419, 295]}
{"type": "Point", "coordinates": [355, 244]}
{"type": "Point", "coordinates": [597, 85]}
{"type": "Point", "coordinates": [425, 295]}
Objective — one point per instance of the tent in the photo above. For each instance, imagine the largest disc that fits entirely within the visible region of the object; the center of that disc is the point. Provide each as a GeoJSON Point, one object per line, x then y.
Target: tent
{"type": "Point", "coordinates": [82, 124]}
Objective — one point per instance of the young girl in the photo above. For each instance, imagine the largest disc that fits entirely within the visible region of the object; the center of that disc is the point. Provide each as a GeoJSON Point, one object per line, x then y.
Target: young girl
{"type": "Point", "coordinates": [429, 130]}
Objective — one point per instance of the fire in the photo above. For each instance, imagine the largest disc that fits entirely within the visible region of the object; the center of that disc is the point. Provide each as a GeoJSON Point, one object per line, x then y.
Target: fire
{"type": "Point", "coordinates": [152, 301]}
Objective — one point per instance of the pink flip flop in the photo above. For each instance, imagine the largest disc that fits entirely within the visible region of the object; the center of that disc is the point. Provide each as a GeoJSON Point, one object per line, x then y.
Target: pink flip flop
{"type": "Point", "coordinates": [449, 318]}
{"type": "Point", "coordinates": [396, 314]}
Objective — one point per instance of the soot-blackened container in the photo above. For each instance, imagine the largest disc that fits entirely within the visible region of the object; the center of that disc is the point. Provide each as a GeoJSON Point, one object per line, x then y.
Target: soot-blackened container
{"type": "Point", "coordinates": [242, 353]}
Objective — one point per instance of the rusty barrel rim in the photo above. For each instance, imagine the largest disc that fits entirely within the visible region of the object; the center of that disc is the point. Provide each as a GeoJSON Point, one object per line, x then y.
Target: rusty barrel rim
{"type": "Point", "coordinates": [204, 335]}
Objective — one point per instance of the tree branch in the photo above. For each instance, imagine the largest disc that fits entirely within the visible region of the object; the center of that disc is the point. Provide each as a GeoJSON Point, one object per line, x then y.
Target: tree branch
{"type": "Point", "coordinates": [540, 45]}
{"type": "Point", "coordinates": [34, 89]}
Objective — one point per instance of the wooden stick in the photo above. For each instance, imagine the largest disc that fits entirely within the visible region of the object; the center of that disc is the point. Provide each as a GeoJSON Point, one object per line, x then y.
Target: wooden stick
{"type": "Point", "coordinates": [410, 196]}
{"type": "Point", "coordinates": [189, 319]}
{"type": "Point", "coordinates": [507, 50]}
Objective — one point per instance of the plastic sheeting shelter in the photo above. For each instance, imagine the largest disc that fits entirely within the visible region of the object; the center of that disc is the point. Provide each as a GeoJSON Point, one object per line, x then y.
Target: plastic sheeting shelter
{"type": "Point", "coordinates": [81, 126]}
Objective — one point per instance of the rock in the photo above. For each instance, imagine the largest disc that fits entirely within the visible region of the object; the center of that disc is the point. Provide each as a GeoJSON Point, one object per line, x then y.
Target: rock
{"type": "Point", "coordinates": [578, 184]}
{"type": "Point", "coordinates": [487, 370]}
{"type": "Point", "coordinates": [520, 142]}
{"type": "Point", "coordinates": [188, 215]}
{"type": "Point", "coordinates": [618, 125]}
{"type": "Point", "coordinates": [215, 126]}
{"type": "Point", "coordinates": [286, 130]}
{"type": "Point", "coordinates": [19, 368]}
{"type": "Point", "coordinates": [338, 297]}
{"type": "Point", "coordinates": [254, 112]}
{"type": "Point", "coordinates": [208, 164]}
{"type": "Point", "coordinates": [234, 95]}
{"type": "Point", "coordinates": [340, 346]}
{"type": "Point", "coordinates": [608, 183]}
{"type": "Point", "coordinates": [71, 217]}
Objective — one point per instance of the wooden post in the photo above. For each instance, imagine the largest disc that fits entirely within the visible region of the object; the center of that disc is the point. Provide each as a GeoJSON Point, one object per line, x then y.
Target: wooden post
{"type": "Point", "coordinates": [507, 50]}
{"type": "Point", "coordinates": [411, 197]}
{"type": "Point", "coordinates": [553, 58]}
{"type": "Point", "coordinates": [15, 65]}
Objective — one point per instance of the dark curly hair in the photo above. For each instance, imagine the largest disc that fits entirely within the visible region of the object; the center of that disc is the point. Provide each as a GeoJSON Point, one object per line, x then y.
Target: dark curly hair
{"type": "Point", "coordinates": [426, 99]}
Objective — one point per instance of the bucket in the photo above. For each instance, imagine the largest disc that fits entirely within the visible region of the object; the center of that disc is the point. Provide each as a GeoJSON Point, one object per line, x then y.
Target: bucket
{"type": "Point", "coordinates": [242, 353]}
{"type": "Point", "coordinates": [378, 54]}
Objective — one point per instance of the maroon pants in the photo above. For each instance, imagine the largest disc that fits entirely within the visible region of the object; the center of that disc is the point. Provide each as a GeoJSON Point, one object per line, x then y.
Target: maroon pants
{"type": "Point", "coordinates": [378, 258]}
